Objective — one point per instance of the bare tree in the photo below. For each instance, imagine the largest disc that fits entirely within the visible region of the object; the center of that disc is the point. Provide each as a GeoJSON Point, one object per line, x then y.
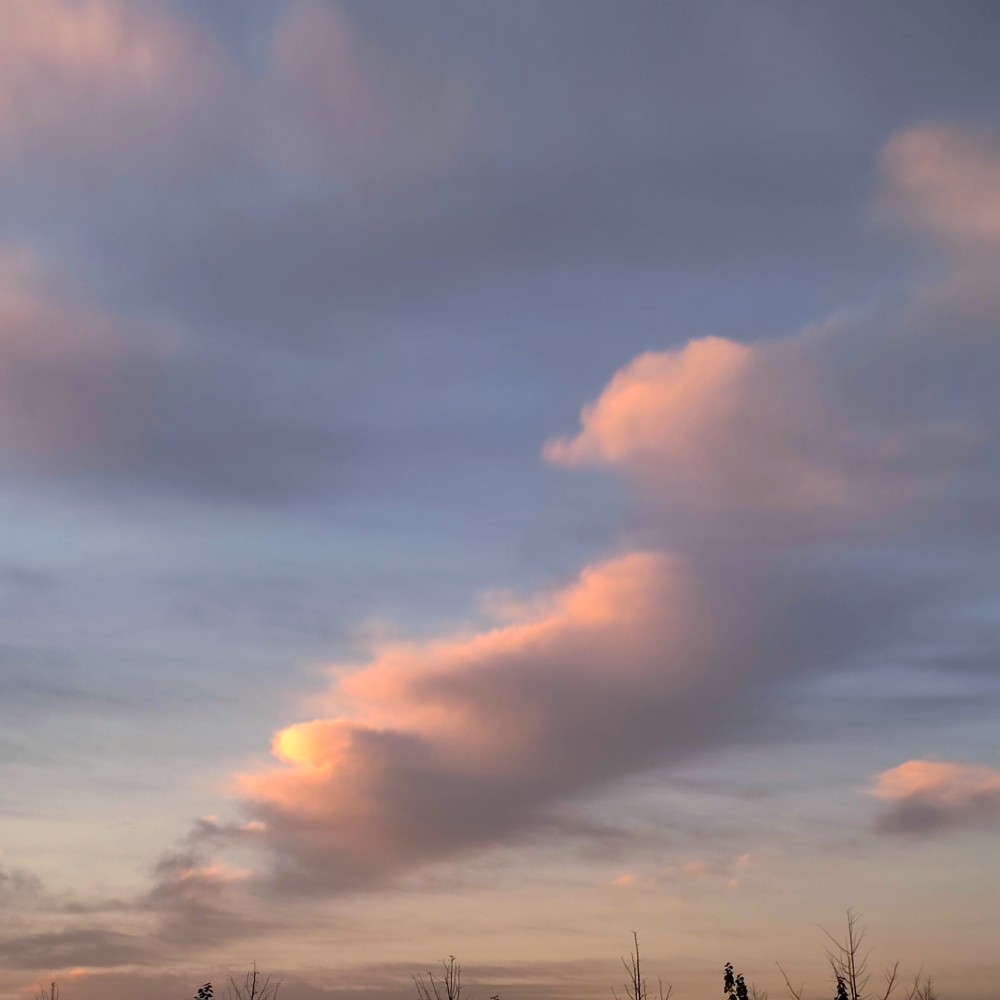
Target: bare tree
{"type": "Point", "coordinates": [255, 986]}
{"type": "Point", "coordinates": [848, 960]}
{"type": "Point", "coordinates": [52, 993]}
{"type": "Point", "coordinates": [635, 985]}
{"type": "Point", "coordinates": [448, 987]}
{"type": "Point", "coordinates": [922, 988]}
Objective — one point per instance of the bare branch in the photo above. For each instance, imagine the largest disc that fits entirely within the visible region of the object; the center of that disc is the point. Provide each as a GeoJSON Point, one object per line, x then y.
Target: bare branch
{"type": "Point", "coordinates": [448, 987]}
{"type": "Point", "coordinates": [891, 981]}
{"type": "Point", "coordinates": [254, 986]}
{"type": "Point", "coordinates": [922, 988]}
{"type": "Point", "coordinates": [847, 960]}
{"type": "Point", "coordinates": [796, 993]}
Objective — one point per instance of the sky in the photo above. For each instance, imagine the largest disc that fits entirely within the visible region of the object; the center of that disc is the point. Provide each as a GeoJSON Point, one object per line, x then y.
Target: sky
{"type": "Point", "coordinates": [483, 479]}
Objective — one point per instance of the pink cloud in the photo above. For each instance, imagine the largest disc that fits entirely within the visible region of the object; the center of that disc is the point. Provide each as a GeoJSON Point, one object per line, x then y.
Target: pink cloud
{"type": "Point", "coordinates": [335, 102]}
{"type": "Point", "coordinates": [94, 89]}
{"type": "Point", "coordinates": [75, 383]}
{"type": "Point", "coordinates": [928, 795]}
{"type": "Point", "coordinates": [945, 179]}
{"type": "Point", "coordinates": [88, 85]}
{"type": "Point", "coordinates": [764, 431]}
{"type": "Point", "coordinates": [813, 435]}
{"type": "Point", "coordinates": [456, 743]}
{"type": "Point", "coordinates": [435, 749]}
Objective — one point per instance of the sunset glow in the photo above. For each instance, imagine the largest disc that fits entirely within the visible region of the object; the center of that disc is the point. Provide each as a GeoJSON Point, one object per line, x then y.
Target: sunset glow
{"type": "Point", "coordinates": [507, 481]}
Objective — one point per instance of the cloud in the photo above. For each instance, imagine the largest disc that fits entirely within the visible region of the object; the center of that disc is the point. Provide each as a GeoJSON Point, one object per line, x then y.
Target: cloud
{"type": "Point", "coordinates": [197, 902]}
{"type": "Point", "coordinates": [443, 748]}
{"type": "Point", "coordinates": [99, 89]}
{"type": "Point", "coordinates": [75, 383]}
{"type": "Point", "coordinates": [88, 86]}
{"type": "Point", "coordinates": [928, 796]}
{"type": "Point", "coordinates": [779, 433]}
{"type": "Point", "coordinates": [877, 419]}
{"type": "Point", "coordinates": [335, 101]}
{"type": "Point", "coordinates": [433, 750]}
{"type": "Point", "coordinates": [20, 889]}
{"type": "Point", "coordinates": [458, 743]}
{"type": "Point", "coordinates": [69, 949]}
{"type": "Point", "coordinates": [945, 180]}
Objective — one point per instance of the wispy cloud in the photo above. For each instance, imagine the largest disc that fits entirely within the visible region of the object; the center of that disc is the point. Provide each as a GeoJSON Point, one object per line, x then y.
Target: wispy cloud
{"type": "Point", "coordinates": [92, 88]}
{"type": "Point", "coordinates": [76, 384]}
{"type": "Point", "coordinates": [945, 180]}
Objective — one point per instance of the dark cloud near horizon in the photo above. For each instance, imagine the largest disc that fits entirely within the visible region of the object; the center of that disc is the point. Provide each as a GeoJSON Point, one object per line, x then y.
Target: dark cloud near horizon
{"type": "Point", "coordinates": [73, 949]}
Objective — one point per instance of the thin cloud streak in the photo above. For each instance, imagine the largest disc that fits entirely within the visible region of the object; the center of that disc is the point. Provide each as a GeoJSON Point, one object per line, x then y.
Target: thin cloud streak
{"type": "Point", "coordinates": [76, 384]}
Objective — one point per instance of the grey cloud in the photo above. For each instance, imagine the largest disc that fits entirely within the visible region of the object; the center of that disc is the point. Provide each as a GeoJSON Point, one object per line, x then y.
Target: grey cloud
{"type": "Point", "coordinates": [72, 948]}
{"type": "Point", "coordinates": [920, 797]}
{"type": "Point", "coordinates": [19, 888]}
{"type": "Point", "coordinates": [196, 905]}
{"type": "Point", "coordinates": [922, 816]}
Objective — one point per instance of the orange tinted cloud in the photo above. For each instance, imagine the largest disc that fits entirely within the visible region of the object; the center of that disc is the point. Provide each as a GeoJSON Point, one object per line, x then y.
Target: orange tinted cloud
{"type": "Point", "coordinates": [443, 747]}
{"type": "Point", "coordinates": [929, 795]}
{"type": "Point", "coordinates": [717, 426]}
{"type": "Point", "coordinates": [455, 743]}
{"type": "Point", "coordinates": [655, 404]}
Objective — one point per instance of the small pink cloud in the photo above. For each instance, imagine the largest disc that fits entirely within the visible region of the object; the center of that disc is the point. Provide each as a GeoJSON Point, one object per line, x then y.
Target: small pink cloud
{"type": "Point", "coordinates": [925, 796]}
{"type": "Point", "coordinates": [697, 867]}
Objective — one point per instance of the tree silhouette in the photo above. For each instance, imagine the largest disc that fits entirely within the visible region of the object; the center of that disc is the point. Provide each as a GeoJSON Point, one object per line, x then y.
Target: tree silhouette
{"type": "Point", "coordinates": [448, 987]}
